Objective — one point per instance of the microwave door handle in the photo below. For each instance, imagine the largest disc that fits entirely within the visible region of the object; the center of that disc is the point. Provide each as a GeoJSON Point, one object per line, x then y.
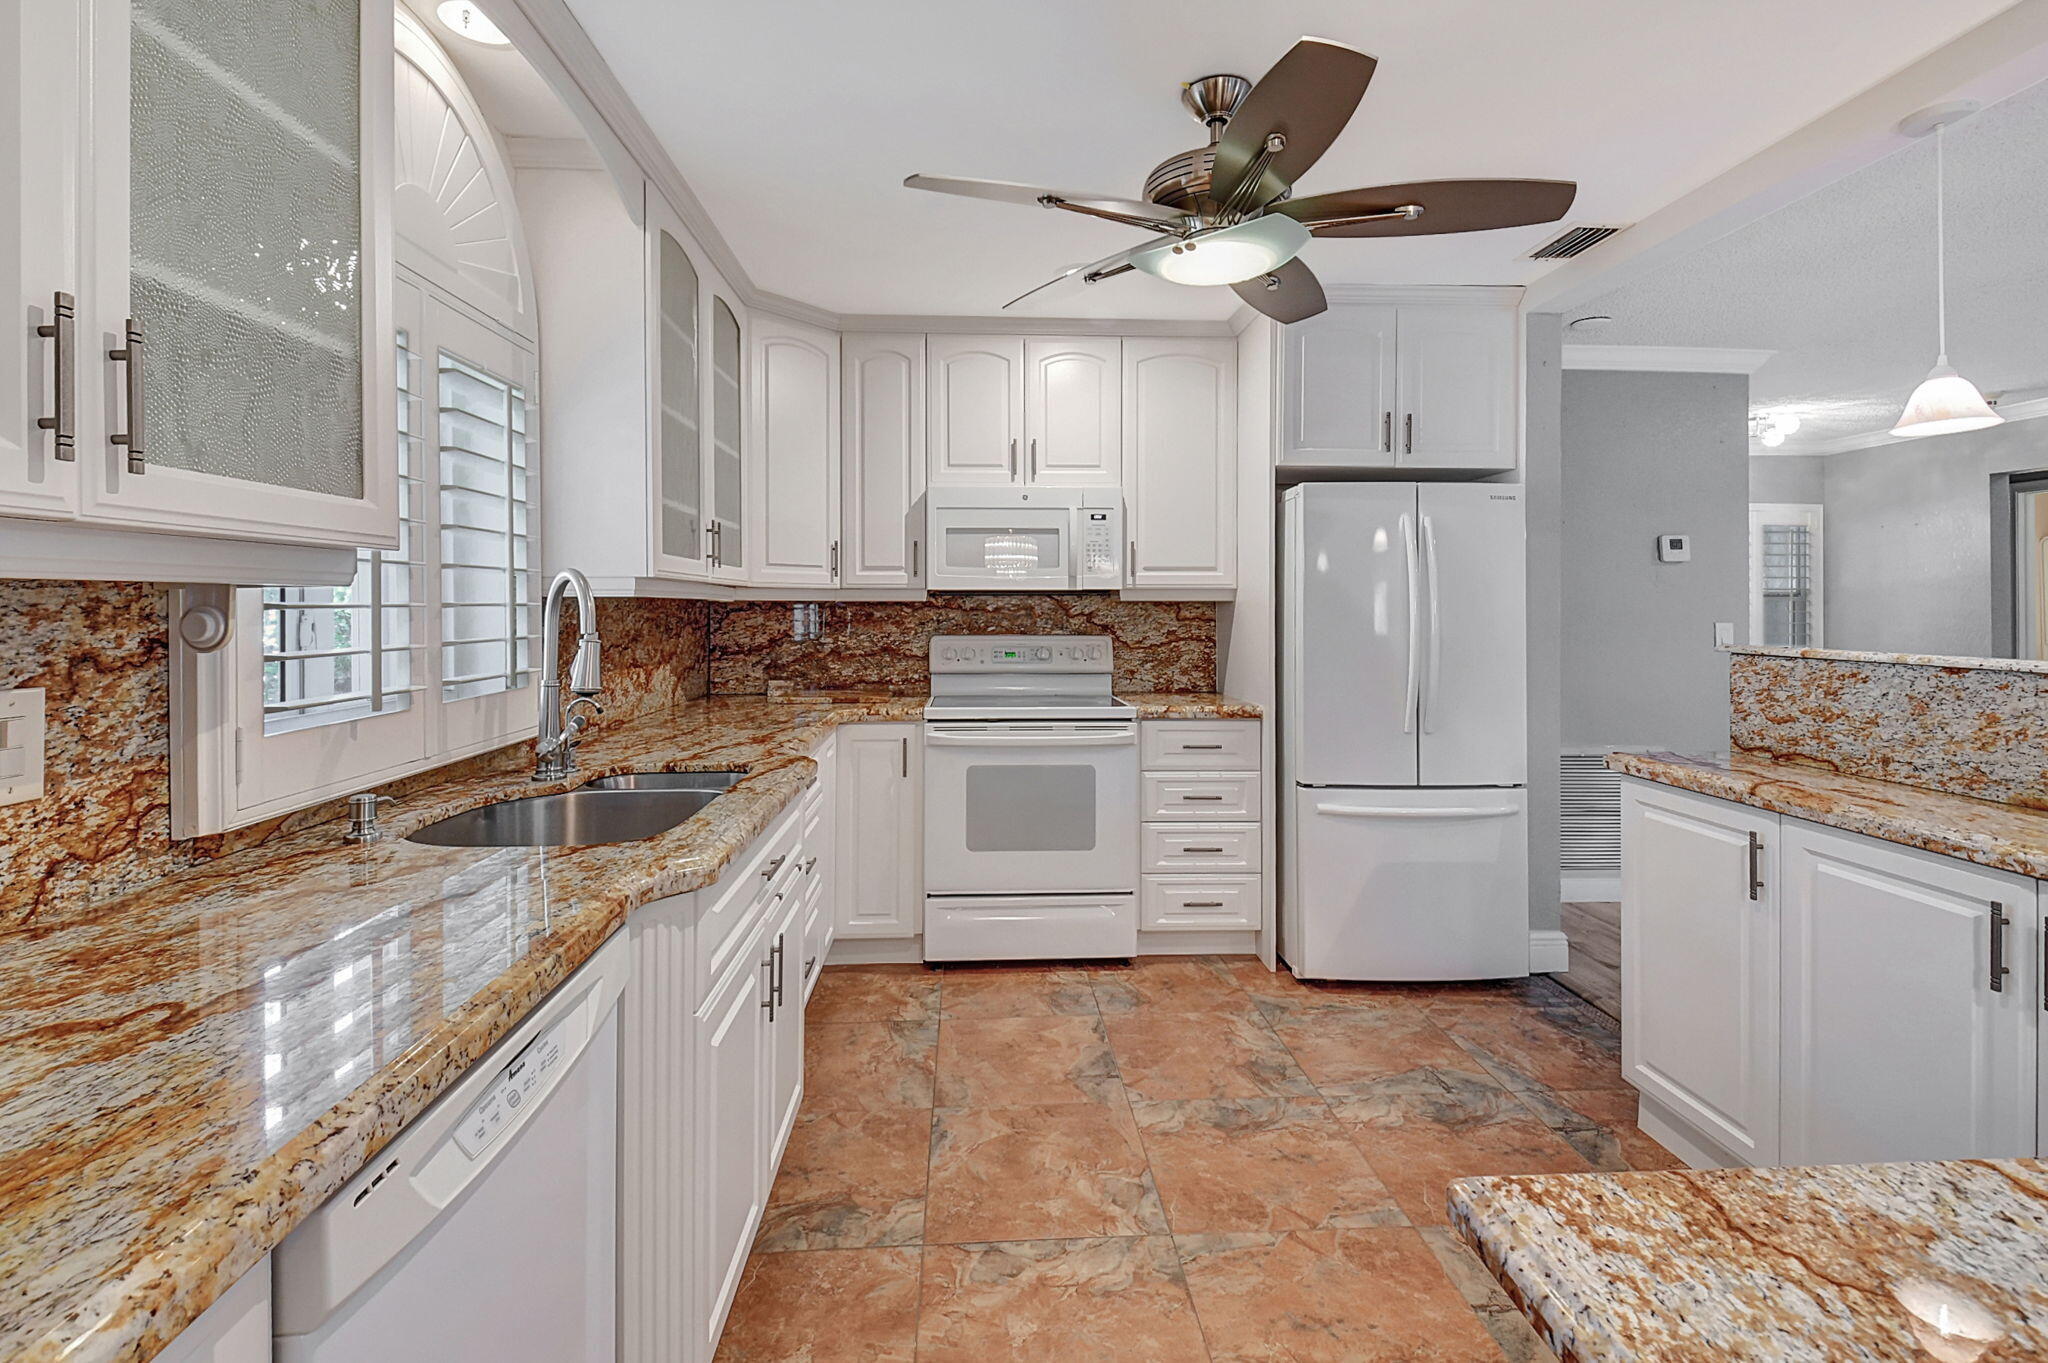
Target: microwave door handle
{"type": "Point", "coordinates": [1412, 696]}
{"type": "Point", "coordinates": [1436, 629]}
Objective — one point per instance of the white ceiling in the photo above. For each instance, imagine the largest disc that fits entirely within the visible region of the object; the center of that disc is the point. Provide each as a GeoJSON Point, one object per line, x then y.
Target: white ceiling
{"type": "Point", "coordinates": [1841, 283]}
{"type": "Point", "coordinates": [796, 120]}
{"type": "Point", "coordinates": [515, 99]}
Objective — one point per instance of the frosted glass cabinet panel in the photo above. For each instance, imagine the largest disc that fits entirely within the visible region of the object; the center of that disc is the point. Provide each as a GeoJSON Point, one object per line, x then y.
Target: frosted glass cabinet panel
{"type": "Point", "coordinates": [681, 438]}
{"type": "Point", "coordinates": [240, 268]}
{"type": "Point", "coordinates": [728, 501]}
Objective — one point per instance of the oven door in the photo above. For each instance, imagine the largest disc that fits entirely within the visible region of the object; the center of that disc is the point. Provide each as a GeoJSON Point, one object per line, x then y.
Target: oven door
{"type": "Point", "coordinates": [1030, 807]}
{"type": "Point", "coordinates": [1005, 548]}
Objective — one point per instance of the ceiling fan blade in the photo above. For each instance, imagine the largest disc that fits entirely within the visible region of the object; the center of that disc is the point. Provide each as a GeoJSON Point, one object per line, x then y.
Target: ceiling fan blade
{"type": "Point", "coordinates": [1447, 206]}
{"type": "Point", "coordinates": [1077, 275]}
{"type": "Point", "coordinates": [1288, 294]}
{"type": "Point", "coordinates": [1307, 98]}
{"type": "Point", "coordinates": [1004, 191]}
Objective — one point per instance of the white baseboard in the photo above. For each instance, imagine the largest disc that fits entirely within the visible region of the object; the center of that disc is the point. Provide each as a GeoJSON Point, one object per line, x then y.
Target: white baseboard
{"type": "Point", "coordinates": [875, 951]}
{"type": "Point", "coordinates": [1549, 952]}
{"type": "Point", "coordinates": [1674, 1135]}
{"type": "Point", "coordinates": [1591, 889]}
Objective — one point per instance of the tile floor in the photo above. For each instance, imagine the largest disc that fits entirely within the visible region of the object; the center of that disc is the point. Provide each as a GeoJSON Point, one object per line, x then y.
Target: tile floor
{"type": "Point", "coordinates": [1177, 1160]}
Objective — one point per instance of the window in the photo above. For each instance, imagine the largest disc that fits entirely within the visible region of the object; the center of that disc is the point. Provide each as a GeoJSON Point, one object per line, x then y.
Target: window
{"type": "Point", "coordinates": [1785, 575]}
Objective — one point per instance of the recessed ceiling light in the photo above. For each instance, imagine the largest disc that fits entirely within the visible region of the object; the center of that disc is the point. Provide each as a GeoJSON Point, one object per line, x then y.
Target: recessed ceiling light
{"type": "Point", "coordinates": [1592, 321]}
{"type": "Point", "coordinates": [464, 19]}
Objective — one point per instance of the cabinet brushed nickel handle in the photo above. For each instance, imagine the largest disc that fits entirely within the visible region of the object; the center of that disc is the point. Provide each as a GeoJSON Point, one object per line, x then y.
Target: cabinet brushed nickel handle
{"type": "Point", "coordinates": [1408, 434]}
{"type": "Point", "coordinates": [2044, 962]}
{"type": "Point", "coordinates": [916, 558]}
{"type": "Point", "coordinates": [1201, 747]}
{"type": "Point", "coordinates": [1387, 432]}
{"type": "Point", "coordinates": [810, 964]}
{"type": "Point", "coordinates": [63, 329]}
{"type": "Point", "coordinates": [774, 865]}
{"type": "Point", "coordinates": [1011, 467]}
{"type": "Point", "coordinates": [768, 987]}
{"type": "Point", "coordinates": [809, 864]}
{"type": "Point", "coordinates": [777, 955]}
{"type": "Point", "coordinates": [1132, 574]}
{"type": "Point", "coordinates": [130, 354]}
{"type": "Point", "coordinates": [835, 558]}
{"type": "Point", "coordinates": [1200, 849]}
{"type": "Point", "coordinates": [1201, 797]}
{"type": "Point", "coordinates": [906, 757]}
{"type": "Point", "coordinates": [1756, 865]}
{"type": "Point", "coordinates": [1031, 467]}
{"type": "Point", "coordinates": [1201, 903]}
{"type": "Point", "coordinates": [1999, 969]}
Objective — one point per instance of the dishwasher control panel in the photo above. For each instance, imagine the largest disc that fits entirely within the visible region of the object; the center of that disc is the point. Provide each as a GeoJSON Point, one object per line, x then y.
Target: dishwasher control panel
{"type": "Point", "coordinates": [517, 1087]}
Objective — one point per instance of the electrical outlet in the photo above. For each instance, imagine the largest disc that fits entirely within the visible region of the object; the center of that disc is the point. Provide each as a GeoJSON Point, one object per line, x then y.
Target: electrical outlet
{"type": "Point", "coordinates": [21, 745]}
{"type": "Point", "coordinates": [1724, 634]}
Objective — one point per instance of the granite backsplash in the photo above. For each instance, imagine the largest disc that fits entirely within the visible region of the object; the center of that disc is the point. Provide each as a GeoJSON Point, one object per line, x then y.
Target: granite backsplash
{"type": "Point", "coordinates": [101, 651]}
{"type": "Point", "coordinates": [1980, 731]}
{"type": "Point", "coordinates": [883, 645]}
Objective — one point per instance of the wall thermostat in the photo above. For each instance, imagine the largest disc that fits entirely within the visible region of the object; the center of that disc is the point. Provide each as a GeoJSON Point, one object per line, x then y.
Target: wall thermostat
{"type": "Point", "coordinates": [1674, 548]}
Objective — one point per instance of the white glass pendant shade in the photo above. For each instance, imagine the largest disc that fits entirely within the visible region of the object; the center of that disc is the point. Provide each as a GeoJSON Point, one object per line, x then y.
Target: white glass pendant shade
{"type": "Point", "coordinates": [1228, 255]}
{"type": "Point", "coordinates": [1945, 402]}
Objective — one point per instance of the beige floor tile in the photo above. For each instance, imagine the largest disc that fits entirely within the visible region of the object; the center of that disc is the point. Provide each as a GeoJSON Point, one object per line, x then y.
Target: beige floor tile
{"type": "Point", "coordinates": [1339, 1044]}
{"type": "Point", "coordinates": [985, 1062]}
{"type": "Point", "coordinates": [1259, 1164]}
{"type": "Point", "coordinates": [1529, 1048]}
{"type": "Point", "coordinates": [850, 1180]}
{"type": "Point", "coordinates": [1203, 1055]}
{"type": "Point", "coordinates": [1058, 1171]}
{"type": "Point", "coordinates": [874, 993]}
{"type": "Point", "coordinates": [830, 1306]}
{"type": "Point", "coordinates": [869, 1065]}
{"type": "Point", "coordinates": [1015, 992]}
{"type": "Point", "coordinates": [1170, 984]}
{"type": "Point", "coordinates": [1071, 1301]}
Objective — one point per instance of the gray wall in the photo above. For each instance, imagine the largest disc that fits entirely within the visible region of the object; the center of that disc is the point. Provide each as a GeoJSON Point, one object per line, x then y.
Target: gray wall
{"type": "Point", "coordinates": [1541, 387]}
{"type": "Point", "coordinates": [1906, 540]}
{"type": "Point", "coordinates": [1644, 454]}
{"type": "Point", "coordinates": [1792, 478]}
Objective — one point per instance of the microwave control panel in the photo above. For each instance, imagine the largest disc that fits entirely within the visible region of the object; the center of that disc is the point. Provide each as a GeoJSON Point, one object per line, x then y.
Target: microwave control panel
{"type": "Point", "coordinates": [1099, 549]}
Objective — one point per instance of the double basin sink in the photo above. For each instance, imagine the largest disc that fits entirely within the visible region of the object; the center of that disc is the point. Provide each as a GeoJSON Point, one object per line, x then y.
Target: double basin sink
{"type": "Point", "coordinates": [609, 809]}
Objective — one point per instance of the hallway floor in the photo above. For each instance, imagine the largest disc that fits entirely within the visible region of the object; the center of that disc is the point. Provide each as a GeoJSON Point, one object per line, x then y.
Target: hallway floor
{"type": "Point", "coordinates": [1183, 1159]}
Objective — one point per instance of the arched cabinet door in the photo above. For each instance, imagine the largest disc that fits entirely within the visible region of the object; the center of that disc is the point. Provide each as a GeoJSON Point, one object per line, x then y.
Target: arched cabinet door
{"type": "Point", "coordinates": [976, 395]}
{"type": "Point", "coordinates": [1073, 411]}
{"type": "Point", "coordinates": [1180, 462]}
{"type": "Point", "coordinates": [793, 415]}
{"type": "Point", "coordinates": [882, 429]}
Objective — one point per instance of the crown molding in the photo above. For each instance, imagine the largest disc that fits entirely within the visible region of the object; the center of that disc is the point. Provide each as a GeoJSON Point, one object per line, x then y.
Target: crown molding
{"type": "Point", "coordinates": [1665, 359]}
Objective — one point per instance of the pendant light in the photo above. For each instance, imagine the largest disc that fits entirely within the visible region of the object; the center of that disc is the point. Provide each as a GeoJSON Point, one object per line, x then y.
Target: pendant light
{"type": "Point", "coordinates": [1945, 401]}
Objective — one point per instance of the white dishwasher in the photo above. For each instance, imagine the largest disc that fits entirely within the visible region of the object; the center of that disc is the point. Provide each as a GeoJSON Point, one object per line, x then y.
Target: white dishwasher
{"type": "Point", "coordinates": [487, 1232]}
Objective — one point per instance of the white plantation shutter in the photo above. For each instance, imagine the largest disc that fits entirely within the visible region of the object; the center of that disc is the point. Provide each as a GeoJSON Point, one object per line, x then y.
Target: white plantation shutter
{"type": "Point", "coordinates": [488, 611]}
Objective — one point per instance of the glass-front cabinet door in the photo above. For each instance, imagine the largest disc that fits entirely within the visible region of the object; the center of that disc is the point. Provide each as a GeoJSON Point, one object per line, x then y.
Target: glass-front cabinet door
{"type": "Point", "coordinates": [683, 543]}
{"type": "Point", "coordinates": [727, 497]}
{"type": "Point", "coordinates": [235, 360]}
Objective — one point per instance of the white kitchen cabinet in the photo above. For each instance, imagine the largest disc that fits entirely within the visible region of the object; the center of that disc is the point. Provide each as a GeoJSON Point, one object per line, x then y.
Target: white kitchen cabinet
{"type": "Point", "coordinates": [676, 436]}
{"type": "Point", "coordinates": [821, 861]}
{"type": "Point", "coordinates": [793, 412]}
{"type": "Point", "coordinates": [883, 460]}
{"type": "Point", "coordinates": [726, 471]}
{"type": "Point", "coordinates": [784, 938]}
{"type": "Point", "coordinates": [1337, 404]}
{"type": "Point", "coordinates": [880, 879]}
{"type": "Point", "coordinates": [1073, 411]}
{"type": "Point", "coordinates": [1899, 1041]}
{"type": "Point", "coordinates": [731, 1133]}
{"type": "Point", "coordinates": [975, 394]}
{"type": "Point", "coordinates": [1699, 937]}
{"type": "Point", "coordinates": [1413, 385]}
{"type": "Point", "coordinates": [1180, 461]}
{"type": "Point", "coordinates": [1456, 388]}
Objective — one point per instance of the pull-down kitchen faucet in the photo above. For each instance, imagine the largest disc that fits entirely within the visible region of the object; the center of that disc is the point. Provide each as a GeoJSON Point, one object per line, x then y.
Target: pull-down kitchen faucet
{"type": "Point", "coordinates": [554, 752]}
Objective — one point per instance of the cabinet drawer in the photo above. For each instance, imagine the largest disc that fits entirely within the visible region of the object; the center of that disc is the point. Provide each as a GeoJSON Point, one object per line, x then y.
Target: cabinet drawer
{"type": "Point", "coordinates": [1209, 848]}
{"type": "Point", "coordinates": [744, 894]}
{"type": "Point", "coordinates": [1198, 902]}
{"type": "Point", "coordinates": [1199, 745]}
{"type": "Point", "coordinates": [817, 927]}
{"type": "Point", "coordinates": [1209, 796]}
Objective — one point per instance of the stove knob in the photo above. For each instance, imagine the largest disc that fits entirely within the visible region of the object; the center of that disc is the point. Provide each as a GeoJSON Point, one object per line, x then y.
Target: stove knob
{"type": "Point", "coordinates": [1043, 654]}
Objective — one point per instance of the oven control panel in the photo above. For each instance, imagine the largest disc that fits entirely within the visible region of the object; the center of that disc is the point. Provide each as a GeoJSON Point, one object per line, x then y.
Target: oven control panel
{"type": "Point", "coordinates": [1020, 653]}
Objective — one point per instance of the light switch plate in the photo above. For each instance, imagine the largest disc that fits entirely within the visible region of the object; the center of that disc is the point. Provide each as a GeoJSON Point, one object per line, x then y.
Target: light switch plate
{"type": "Point", "coordinates": [21, 745]}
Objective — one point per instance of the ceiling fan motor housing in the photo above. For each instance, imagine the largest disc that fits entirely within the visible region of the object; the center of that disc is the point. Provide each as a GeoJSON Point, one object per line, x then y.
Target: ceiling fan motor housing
{"type": "Point", "coordinates": [1182, 181]}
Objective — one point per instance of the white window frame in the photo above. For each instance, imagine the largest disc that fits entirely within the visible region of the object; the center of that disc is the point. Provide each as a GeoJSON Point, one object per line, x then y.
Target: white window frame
{"type": "Point", "coordinates": [1787, 513]}
{"type": "Point", "coordinates": [226, 771]}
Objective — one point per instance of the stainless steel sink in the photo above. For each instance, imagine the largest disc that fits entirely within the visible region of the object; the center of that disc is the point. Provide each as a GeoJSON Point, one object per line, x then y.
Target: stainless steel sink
{"type": "Point", "coordinates": [667, 780]}
{"type": "Point", "coordinates": [575, 818]}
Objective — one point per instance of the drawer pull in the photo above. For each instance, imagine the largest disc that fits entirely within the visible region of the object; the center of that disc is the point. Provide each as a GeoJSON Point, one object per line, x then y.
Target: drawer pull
{"type": "Point", "coordinates": [810, 964]}
{"type": "Point", "coordinates": [1201, 903]}
{"type": "Point", "coordinates": [1201, 797]}
{"type": "Point", "coordinates": [774, 865]}
{"type": "Point", "coordinates": [1201, 849]}
{"type": "Point", "coordinates": [1201, 747]}
{"type": "Point", "coordinates": [1999, 969]}
{"type": "Point", "coordinates": [1756, 870]}
{"type": "Point", "coordinates": [63, 424]}
{"type": "Point", "coordinates": [810, 864]}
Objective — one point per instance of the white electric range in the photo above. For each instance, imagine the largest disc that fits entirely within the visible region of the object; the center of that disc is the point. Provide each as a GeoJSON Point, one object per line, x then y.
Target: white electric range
{"type": "Point", "coordinates": [1031, 801]}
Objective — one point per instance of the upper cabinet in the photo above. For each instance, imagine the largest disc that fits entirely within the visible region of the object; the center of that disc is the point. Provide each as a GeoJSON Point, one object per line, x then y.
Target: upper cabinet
{"type": "Point", "coordinates": [1073, 411]}
{"type": "Point", "coordinates": [794, 426]}
{"type": "Point", "coordinates": [684, 540]}
{"type": "Point", "coordinates": [208, 318]}
{"type": "Point", "coordinates": [975, 392]}
{"type": "Point", "coordinates": [1180, 461]}
{"type": "Point", "coordinates": [882, 467]}
{"type": "Point", "coordinates": [1401, 386]}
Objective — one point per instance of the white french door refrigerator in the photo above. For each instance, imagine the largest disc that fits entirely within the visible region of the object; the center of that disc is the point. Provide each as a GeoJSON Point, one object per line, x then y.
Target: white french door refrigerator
{"type": "Point", "coordinates": [1404, 748]}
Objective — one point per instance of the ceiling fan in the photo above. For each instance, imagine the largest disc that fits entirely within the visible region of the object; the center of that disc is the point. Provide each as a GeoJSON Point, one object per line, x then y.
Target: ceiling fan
{"type": "Point", "coordinates": [1223, 214]}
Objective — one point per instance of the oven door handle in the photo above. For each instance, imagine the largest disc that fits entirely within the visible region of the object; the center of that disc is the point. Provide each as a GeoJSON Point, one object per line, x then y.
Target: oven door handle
{"type": "Point", "coordinates": [934, 738]}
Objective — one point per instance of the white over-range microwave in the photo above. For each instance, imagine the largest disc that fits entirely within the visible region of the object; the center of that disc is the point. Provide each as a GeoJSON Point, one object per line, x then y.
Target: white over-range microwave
{"type": "Point", "coordinates": [1021, 539]}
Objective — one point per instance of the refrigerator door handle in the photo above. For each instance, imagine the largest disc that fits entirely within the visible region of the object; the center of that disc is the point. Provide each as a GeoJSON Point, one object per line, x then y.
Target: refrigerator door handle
{"type": "Point", "coordinates": [1421, 812]}
{"type": "Point", "coordinates": [1436, 633]}
{"type": "Point", "coordinates": [1413, 698]}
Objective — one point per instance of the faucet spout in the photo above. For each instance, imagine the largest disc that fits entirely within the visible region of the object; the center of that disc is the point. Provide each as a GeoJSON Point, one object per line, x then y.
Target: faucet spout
{"type": "Point", "coordinates": [554, 748]}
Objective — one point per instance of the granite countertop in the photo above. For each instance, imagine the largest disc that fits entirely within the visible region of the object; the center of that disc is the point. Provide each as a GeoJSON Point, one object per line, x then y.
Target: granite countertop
{"type": "Point", "coordinates": [1935, 1261]}
{"type": "Point", "coordinates": [189, 1070]}
{"type": "Point", "coordinates": [2008, 837]}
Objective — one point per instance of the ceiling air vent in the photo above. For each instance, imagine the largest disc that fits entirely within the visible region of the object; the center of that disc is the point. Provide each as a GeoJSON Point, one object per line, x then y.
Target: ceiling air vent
{"type": "Point", "coordinates": [1576, 240]}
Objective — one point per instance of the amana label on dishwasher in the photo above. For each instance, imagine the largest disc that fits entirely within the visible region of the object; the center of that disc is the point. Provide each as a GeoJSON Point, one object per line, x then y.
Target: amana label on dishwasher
{"type": "Point", "coordinates": [515, 1088]}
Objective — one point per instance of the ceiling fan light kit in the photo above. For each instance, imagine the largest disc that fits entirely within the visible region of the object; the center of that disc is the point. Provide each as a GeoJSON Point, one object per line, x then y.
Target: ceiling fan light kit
{"type": "Point", "coordinates": [1945, 402]}
{"type": "Point", "coordinates": [1224, 214]}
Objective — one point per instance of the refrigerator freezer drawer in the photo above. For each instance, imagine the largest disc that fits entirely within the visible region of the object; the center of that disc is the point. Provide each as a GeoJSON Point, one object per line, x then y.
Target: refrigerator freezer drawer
{"type": "Point", "coordinates": [1030, 927]}
{"type": "Point", "coordinates": [1208, 795]}
{"type": "Point", "coordinates": [1199, 745]}
{"type": "Point", "coordinates": [1416, 884]}
{"type": "Point", "coordinates": [1199, 903]}
{"type": "Point", "coordinates": [1201, 849]}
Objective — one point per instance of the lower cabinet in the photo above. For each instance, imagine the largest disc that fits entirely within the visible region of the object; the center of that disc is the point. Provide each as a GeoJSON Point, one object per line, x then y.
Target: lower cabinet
{"type": "Point", "coordinates": [1699, 962]}
{"type": "Point", "coordinates": [785, 1022]}
{"type": "Point", "coordinates": [879, 883]}
{"type": "Point", "coordinates": [1795, 994]}
{"type": "Point", "coordinates": [729, 1145]}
